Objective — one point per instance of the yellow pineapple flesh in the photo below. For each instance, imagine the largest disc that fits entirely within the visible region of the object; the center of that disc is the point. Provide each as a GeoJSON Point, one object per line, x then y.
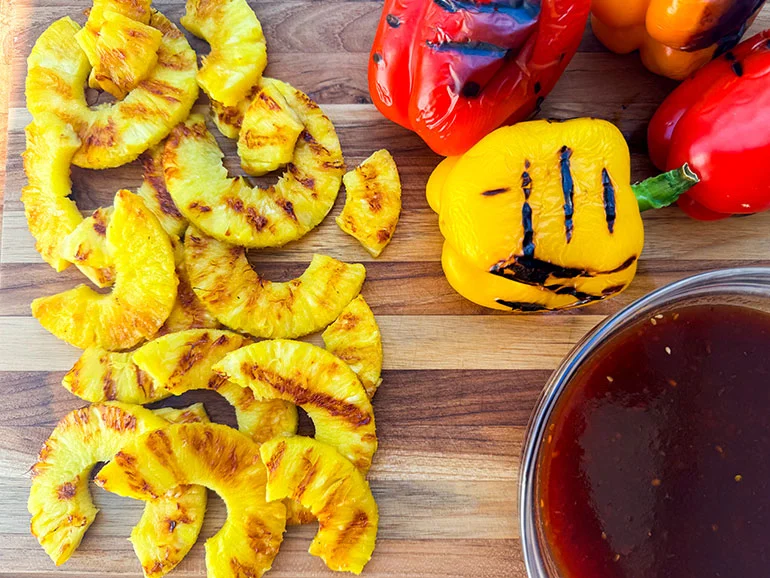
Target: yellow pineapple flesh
{"type": "Point", "coordinates": [269, 131]}
{"type": "Point", "coordinates": [59, 500]}
{"type": "Point", "coordinates": [155, 194]}
{"type": "Point", "coordinates": [126, 51]}
{"type": "Point", "coordinates": [372, 202]}
{"type": "Point", "coordinates": [141, 298]}
{"type": "Point", "coordinates": [224, 280]}
{"type": "Point", "coordinates": [317, 476]}
{"type": "Point", "coordinates": [238, 49]}
{"type": "Point", "coordinates": [317, 381]}
{"type": "Point", "coordinates": [51, 214]}
{"type": "Point", "coordinates": [87, 248]}
{"type": "Point", "coordinates": [116, 133]}
{"type": "Point", "coordinates": [355, 338]}
{"type": "Point", "coordinates": [229, 119]}
{"type": "Point", "coordinates": [100, 375]}
{"type": "Point", "coordinates": [229, 209]}
{"type": "Point", "coordinates": [180, 362]}
{"type": "Point", "coordinates": [222, 459]}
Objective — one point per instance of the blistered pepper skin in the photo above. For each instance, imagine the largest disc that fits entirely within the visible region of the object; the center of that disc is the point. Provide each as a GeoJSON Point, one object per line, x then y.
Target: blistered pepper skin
{"type": "Point", "coordinates": [539, 216]}
{"type": "Point", "coordinates": [717, 121]}
{"type": "Point", "coordinates": [674, 37]}
{"type": "Point", "coordinates": [454, 70]}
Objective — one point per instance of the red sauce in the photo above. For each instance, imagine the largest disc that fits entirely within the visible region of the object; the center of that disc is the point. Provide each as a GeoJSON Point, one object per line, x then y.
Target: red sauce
{"type": "Point", "coordinates": [656, 464]}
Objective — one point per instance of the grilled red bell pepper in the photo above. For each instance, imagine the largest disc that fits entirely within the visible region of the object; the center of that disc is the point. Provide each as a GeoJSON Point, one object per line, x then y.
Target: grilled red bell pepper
{"type": "Point", "coordinates": [454, 70]}
{"type": "Point", "coordinates": [718, 121]}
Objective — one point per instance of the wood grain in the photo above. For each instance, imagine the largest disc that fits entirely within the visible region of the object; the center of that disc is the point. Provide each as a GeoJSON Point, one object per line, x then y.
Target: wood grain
{"type": "Point", "coordinates": [459, 381]}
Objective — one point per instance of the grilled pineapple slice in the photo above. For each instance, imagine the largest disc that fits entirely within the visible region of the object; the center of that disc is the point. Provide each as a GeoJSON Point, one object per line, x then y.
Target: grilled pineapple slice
{"type": "Point", "coordinates": [100, 375]}
{"type": "Point", "coordinates": [51, 214]}
{"type": "Point", "coordinates": [229, 119]}
{"type": "Point", "coordinates": [238, 48]}
{"type": "Point", "coordinates": [221, 459]}
{"type": "Point", "coordinates": [372, 202]}
{"type": "Point", "coordinates": [111, 134]}
{"type": "Point", "coordinates": [155, 194]}
{"type": "Point", "coordinates": [59, 500]}
{"type": "Point", "coordinates": [124, 52]}
{"type": "Point", "coordinates": [222, 278]}
{"type": "Point", "coordinates": [86, 247]}
{"type": "Point", "coordinates": [143, 294]}
{"type": "Point", "coordinates": [321, 479]}
{"type": "Point", "coordinates": [355, 338]}
{"type": "Point", "coordinates": [269, 131]}
{"type": "Point", "coordinates": [317, 381]}
{"type": "Point", "coordinates": [232, 211]}
{"type": "Point", "coordinates": [182, 361]}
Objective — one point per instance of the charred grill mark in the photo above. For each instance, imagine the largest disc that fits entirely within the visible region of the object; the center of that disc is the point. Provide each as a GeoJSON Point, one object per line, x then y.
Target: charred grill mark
{"type": "Point", "coordinates": [269, 102]}
{"type": "Point", "coordinates": [159, 444]}
{"type": "Point", "coordinates": [613, 290]}
{"type": "Point", "coordinates": [351, 534]}
{"type": "Point", "coordinates": [737, 68]}
{"type": "Point", "coordinates": [495, 192]}
{"type": "Point", "coordinates": [311, 470]}
{"type": "Point", "coordinates": [471, 89]}
{"type": "Point", "coordinates": [383, 235]}
{"type": "Point", "coordinates": [200, 207]}
{"type": "Point", "coordinates": [100, 135]}
{"type": "Point", "coordinates": [288, 208]}
{"type": "Point", "coordinates": [528, 242]}
{"type": "Point", "coordinates": [469, 48]}
{"type": "Point", "coordinates": [393, 20]}
{"type": "Point", "coordinates": [194, 353]}
{"type": "Point", "coordinates": [305, 181]}
{"type": "Point", "coordinates": [257, 221]}
{"type": "Point", "coordinates": [609, 200]}
{"type": "Point", "coordinates": [377, 57]}
{"type": "Point", "coordinates": [164, 90]}
{"type": "Point", "coordinates": [67, 490]}
{"type": "Point", "coordinates": [522, 306]}
{"type": "Point", "coordinates": [100, 224]}
{"type": "Point", "coordinates": [109, 386]}
{"type": "Point", "coordinates": [117, 419]}
{"type": "Point", "coordinates": [568, 188]}
{"type": "Point", "coordinates": [532, 271]}
{"type": "Point", "coordinates": [275, 460]}
{"type": "Point", "coordinates": [538, 88]}
{"type": "Point", "coordinates": [522, 11]}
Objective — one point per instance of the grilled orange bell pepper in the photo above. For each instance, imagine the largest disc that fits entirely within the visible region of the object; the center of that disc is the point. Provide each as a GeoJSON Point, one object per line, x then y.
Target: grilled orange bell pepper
{"type": "Point", "coordinates": [674, 37]}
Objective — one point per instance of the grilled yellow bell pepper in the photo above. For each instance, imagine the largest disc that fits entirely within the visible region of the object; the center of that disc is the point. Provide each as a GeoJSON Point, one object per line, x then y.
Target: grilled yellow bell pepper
{"type": "Point", "coordinates": [541, 215]}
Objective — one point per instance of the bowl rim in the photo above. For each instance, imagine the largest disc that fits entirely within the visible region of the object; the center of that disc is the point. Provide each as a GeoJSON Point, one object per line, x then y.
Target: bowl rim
{"type": "Point", "coordinates": [557, 384]}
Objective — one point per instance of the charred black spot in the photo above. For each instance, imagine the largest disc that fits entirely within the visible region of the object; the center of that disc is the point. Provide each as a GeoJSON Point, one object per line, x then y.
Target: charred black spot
{"type": "Point", "coordinates": [493, 192]}
{"type": "Point", "coordinates": [538, 88]}
{"type": "Point", "coordinates": [393, 20]}
{"type": "Point", "coordinates": [612, 290]}
{"type": "Point", "coordinates": [729, 56]}
{"type": "Point", "coordinates": [377, 57]}
{"type": "Point", "coordinates": [737, 68]}
{"type": "Point", "coordinates": [531, 271]}
{"type": "Point", "coordinates": [171, 525]}
{"type": "Point", "coordinates": [568, 188]}
{"type": "Point", "coordinates": [581, 296]}
{"type": "Point", "coordinates": [471, 89]}
{"type": "Point", "coordinates": [609, 200]}
{"type": "Point", "coordinates": [522, 306]}
{"type": "Point", "coordinates": [528, 243]}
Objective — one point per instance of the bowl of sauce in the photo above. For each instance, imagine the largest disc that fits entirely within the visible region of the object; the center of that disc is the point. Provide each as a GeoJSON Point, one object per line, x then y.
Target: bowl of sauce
{"type": "Point", "coordinates": [648, 454]}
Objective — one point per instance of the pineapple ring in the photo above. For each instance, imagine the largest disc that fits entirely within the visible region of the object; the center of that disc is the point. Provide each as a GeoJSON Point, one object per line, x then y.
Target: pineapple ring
{"type": "Point", "coordinates": [113, 134]}
{"type": "Point", "coordinates": [372, 202]}
{"type": "Point", "coordinates": [60, 502]}
{"type": "Point", "coordinates": [182, 361]}
{"type": "Point", "coordinates": [221, 459]}
{"type": "Point", "coordinates": [223, 279]}
{"type": "Point", "coordinates": [317, 381]}
{"type": "Point", "coordinates": [238, 49]}
{"type": "Point", "coordinates": [229, 209]}
{"type": "Point", "coordinates": [321, 479]}
{"type": "Point", "coordinates": [355, 338]}
{"type": "Point", "coordinates": [86, 247]}
{"type": "Point", "coordinates": [144, 291]}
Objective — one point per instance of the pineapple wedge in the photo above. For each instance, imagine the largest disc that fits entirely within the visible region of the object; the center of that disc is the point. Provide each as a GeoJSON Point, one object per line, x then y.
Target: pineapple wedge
{"type": "Point", "coordinates": [355, 338]}
{"type": "Point", "coordinates": [317, 381]}
{"type": "Point", "coordinates": [182, 361]}
{"type": "Point", "coordinates": [155, 194]}
{"type": "Point", "coordinates": [113, 134]}
{"type": "Point", "coordinates": [59, 500]}
{"type": "Point", "coordinates": [221, 459]}
{"type": "Point", "coordinates": [372, 202]}
{"type": "Point", "coordinates": [223, 279]}
{"type": "Point", "coordinates": [238, 49]}
{"type": "Point", "coordinates": [124, 54]}
{"type": "Point", "coordinates": [86, 247]}
{"type": "Point", "coordinates": [229, 119]}
{"type": "Point", "coordinates": [143, 294]}
{"type": "Point", "coordinates": [100, 375]}
{"type": "Point", "coordinates": [51, 214]}
{"type": "Point", "coordinates": [317, 476]}
{"type": "Point", "coordinates": [269, 131]}
{"type": "Point", "coordinates": [229, 209]}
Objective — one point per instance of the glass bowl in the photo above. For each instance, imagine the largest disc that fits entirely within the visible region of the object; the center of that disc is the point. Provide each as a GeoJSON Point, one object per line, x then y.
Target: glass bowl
{"type": "Point", "coordinates": [747, 287]}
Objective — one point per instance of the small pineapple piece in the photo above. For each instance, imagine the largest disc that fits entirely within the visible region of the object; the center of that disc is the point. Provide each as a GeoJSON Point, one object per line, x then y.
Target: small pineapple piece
{"type": "Point", "coordinates": [100, 375]}
{"type": "Point", "coordinates": [221, 459]}
{"type": "Point", "coordinates": [180, 362]}
{"type": "Point", "coordinates": [86, 247]}
{"type": "Point", "coordinates": [51, 214]}
{"type": "Point", "coordinates": [59, 499]}
{"type": "Point", "coordinates": [317, 381]}
{"type": "Point", "coordinates": [372, 202]}
{"type": "Point", "coordinates": [355, 338]}
{"type": "Point", "coordinates": [143, 294]}
{"type": "Point", "coordinates": [269, 131]}
{"type": "Point", "coordinates": [229, 209]}
{"type": "Point", "coordinates": [223, 279]}
{"type": "Point", "coordinates": [229, 119]}
{"type": "Point", "coordinates": [126, 52]}
{"type": "Point", "coordinates": [155, 194]}
{"type": "Point", "coordinates": [321, 479]}
{"type": "Point", "coordinates": [113, 134]}
{"type": "Point", "coordinates": [238, 49]}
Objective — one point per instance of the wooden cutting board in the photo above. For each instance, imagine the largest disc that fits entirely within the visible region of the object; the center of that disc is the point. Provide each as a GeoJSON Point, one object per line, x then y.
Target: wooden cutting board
{"type": "Point", "coordinates": [459, 381]}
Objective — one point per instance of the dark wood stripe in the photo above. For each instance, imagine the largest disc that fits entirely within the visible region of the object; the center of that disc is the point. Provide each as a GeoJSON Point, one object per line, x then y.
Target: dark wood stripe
{"type": "Point", "coordinates": [609, 200]}
{"type": "Point", "coordinates": [568, 189]}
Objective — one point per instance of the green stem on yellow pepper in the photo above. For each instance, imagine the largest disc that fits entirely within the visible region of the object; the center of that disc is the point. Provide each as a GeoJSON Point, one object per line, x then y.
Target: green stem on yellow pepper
{"type": "Point", "coordinates": [664, 189]}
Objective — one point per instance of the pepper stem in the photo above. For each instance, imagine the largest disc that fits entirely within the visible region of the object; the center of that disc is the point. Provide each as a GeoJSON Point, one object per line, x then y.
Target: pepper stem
{"type": "Point", "coordinates": [664, 189]}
